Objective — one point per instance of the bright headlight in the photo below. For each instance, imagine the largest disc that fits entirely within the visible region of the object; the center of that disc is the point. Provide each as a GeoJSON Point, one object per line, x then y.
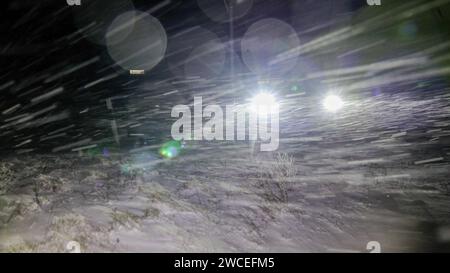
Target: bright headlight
{"type": "Point", "coordinates": [333, 103]}
{"type": "Point", "coordinates": [263, 103]}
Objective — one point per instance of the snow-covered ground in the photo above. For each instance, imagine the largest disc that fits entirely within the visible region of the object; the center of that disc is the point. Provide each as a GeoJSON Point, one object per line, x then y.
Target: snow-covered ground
{"type": "Point", "coordinates": [316, 202]}
{"type": "Point", "coordinates": [375, 170]}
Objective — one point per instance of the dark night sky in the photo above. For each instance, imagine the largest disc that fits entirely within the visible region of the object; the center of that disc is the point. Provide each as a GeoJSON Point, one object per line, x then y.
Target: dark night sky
{"type": "Point", "coordinates": [38, 40]}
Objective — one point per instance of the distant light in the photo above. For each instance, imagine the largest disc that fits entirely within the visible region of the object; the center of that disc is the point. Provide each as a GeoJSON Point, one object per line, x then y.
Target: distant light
{"type": "Point", "coordinates": [333, 103]}
{"type": "Point", "coordinates": [137, 72]}
{"type": "Point", "coordinates": [263, 103]}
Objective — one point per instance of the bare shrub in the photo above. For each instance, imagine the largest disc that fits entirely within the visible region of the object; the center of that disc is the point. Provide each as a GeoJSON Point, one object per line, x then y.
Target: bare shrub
{"type": "Point", "coordinates": [50, 184]}
{"type": "Point", "coordinates": [275, 175]}
{"type": "Point", "coordinates": [7, 177]}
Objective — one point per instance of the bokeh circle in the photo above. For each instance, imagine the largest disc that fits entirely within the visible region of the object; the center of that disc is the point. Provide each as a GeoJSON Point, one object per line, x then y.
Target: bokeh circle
{"type": "Point", "coordinates": [94, 17]}
{"type": "Point", "coordinates": [268, 47]}
{"type": "Point", "coordinates": [196, 52]}
{"type": "Point", "coordinates": [225, 10]}
{"type": "Point", "coordinates": [143, 48]}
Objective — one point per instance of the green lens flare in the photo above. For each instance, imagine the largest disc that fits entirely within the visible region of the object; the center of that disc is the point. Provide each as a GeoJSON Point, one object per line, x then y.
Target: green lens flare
{"type": "Point", "coordinates": [171, 149]}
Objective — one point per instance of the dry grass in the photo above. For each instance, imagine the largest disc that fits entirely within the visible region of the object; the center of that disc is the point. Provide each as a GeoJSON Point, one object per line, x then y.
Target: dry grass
{"type": "Point", "coordinates": [7, 177]}
{"type": "Point", "coordinates": [275, 176]}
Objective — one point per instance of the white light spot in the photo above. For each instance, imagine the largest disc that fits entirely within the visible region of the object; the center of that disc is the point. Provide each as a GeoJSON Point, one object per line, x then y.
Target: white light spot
{"type": "Point", "coordinates": [263, 103]}
{"type": "Point", "coordinates": [333, 103]}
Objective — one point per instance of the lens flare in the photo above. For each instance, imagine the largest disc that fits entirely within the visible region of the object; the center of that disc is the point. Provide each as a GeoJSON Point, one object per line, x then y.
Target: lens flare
{"type": "Point", "coordinates": [263, 103]}
{"type": "Point", "coordinates": [333, 103]}
{"type": "Point", "coordinates": [171, 149]}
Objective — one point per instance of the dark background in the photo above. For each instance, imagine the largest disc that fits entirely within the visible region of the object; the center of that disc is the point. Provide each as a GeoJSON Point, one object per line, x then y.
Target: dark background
{"type": "Point", "coordinates": [39, 39]}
